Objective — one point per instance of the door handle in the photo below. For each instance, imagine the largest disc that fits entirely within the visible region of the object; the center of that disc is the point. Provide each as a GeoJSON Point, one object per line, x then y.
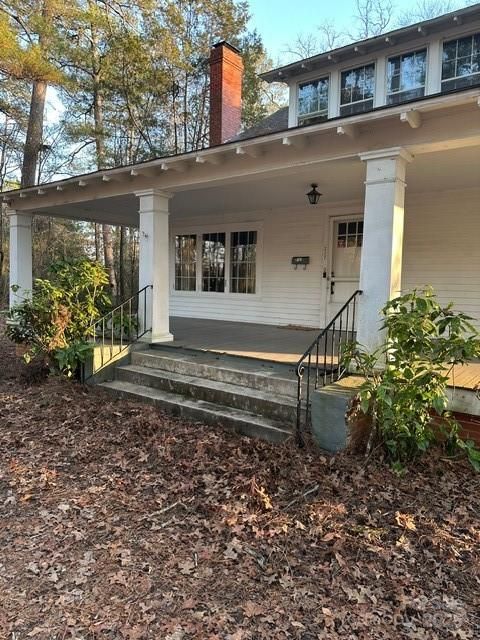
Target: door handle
{"type": "Point", "coordinates": [332, 287]}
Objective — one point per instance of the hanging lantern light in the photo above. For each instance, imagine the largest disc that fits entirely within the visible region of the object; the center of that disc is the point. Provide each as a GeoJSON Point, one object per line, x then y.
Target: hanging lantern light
{"type": "Point", "coordinates": [313, 195]}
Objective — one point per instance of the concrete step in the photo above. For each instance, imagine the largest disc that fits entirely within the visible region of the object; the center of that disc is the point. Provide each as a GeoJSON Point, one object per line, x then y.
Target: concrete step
{"type": "Point", "coordinates": [265, 403]}
{"type": "Point", "coordinates": [272, 377]}
{"type": "Point", "coordinates": [200, 411]}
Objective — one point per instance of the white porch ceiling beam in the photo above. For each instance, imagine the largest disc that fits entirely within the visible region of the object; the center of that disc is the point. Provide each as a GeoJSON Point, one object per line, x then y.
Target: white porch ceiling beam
{"type": "Point", "coordinates": [348, 130]}
{"type": "Point", "coordinates": [207, 159]}
{"type": "Point", "coordinates": [251, 151]}
{"type": "Point", "coordinates": [297, 142]}
{"type": "Point", "coordinates": [143, 171]}
{"type": "Point", "coordinates": [180, 167]}
{"type": "Point", "coordinates": [413, 118]}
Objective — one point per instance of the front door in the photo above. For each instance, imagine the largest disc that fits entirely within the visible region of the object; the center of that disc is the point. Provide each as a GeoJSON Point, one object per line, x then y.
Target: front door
{"type": "Point", "coordinates": [343, 276]}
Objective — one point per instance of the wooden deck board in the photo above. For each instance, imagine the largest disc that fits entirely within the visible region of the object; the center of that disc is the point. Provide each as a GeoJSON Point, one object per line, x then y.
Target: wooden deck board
{"type": "Point", "coordinates": [466, 376]}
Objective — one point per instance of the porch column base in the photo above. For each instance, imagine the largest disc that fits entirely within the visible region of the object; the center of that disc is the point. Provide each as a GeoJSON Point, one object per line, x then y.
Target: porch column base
{"type": "Point", "coordinates": [381, 261]}
{"type": "Point", "coordinates": [150, 339]}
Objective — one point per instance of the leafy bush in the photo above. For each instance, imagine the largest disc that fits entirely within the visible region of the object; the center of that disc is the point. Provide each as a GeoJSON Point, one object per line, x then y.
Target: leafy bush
{"type": "Point", "coordinates": [54, 322]}
{"type": "Point", "coordinates": [125, 326]}
{"type": "Point", "coordinates": [406, 379]}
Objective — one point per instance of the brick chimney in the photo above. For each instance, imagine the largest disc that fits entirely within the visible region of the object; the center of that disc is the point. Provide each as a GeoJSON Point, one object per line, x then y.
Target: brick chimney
{"type": "Point", "coordinates": [226, 72]}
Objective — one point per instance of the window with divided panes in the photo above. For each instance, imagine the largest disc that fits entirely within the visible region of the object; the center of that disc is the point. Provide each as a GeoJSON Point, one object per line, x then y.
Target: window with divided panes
{"type": "Point", "coordinates": [243, 258]}
{"type": "Point", "coordinates": [461, 62]}
{"type": "Point", "coordinates": [350, 234]}
{"type": "Point", "coordinates": [406, 76]}
{"type": "Point", "coordinates": [213, 262]}
{"type": "Point", "coordinates": [185, 262]}
{"type": "Point", "coordinates": [357, 87]}
{"type": "Point", "coordinates": [313, 101]}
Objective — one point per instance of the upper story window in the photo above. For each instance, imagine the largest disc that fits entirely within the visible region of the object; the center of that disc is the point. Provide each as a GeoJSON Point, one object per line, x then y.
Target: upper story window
{"type": "Point", "coordinates": [461, 62]}
{"type": "Point", "coordinates": [357, 89]}
{"type": "Point", "coordinates": [406, 76]}
{"type": "Point", "coordinates": [313, 101]}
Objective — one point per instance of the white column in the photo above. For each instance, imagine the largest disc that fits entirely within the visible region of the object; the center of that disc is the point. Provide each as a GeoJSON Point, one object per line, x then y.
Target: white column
{"type": "Point", "coordinates": [381, 262]}
{"type": "Point", "coordinates": [154, 261]}
{"type": "Point", "coordinates": [20, 256]}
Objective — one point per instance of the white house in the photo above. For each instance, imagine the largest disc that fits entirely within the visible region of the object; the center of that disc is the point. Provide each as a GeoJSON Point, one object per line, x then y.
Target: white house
{"type": "Point", "coordinates": [389, 130]}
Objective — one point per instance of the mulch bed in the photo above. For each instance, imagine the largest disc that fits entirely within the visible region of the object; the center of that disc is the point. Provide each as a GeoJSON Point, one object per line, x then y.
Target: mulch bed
{"type": "Point", "coordinates": [119, 522]}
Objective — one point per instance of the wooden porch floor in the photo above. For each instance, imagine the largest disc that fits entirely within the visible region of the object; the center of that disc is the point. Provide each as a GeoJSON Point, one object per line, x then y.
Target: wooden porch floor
{"type": "Point", "coordinates": [272, 343]}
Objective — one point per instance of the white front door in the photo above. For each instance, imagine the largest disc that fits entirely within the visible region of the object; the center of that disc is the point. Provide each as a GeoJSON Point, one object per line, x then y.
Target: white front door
{"type": "Point", "coordinates": [343, 276]}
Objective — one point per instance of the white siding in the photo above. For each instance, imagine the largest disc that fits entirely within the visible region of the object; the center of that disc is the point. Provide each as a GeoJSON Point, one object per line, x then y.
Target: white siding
{"type": "Point", "coordinates": [285, 295]}
{"type": "Point", "coordinates": [442, 247]}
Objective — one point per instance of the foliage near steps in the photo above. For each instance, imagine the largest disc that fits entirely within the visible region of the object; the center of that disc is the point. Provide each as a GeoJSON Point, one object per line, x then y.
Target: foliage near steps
{"type": "Point", "coordinates": [120, 523]}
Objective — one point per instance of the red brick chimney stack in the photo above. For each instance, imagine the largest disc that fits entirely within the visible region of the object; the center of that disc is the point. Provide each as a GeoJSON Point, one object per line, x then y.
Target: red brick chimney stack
{"type": "Point", "coordinates": [226, 72]}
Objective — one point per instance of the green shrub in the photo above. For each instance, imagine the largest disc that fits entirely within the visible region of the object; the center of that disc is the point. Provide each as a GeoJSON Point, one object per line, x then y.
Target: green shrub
{"type": "Point", "coordinates": [406, 378]}
{"type": "Point", "coordinates": [54, 322]}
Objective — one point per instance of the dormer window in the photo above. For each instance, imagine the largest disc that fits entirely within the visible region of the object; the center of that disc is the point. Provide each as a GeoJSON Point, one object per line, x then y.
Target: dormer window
{"type": "Point", "coordinates": [313, 101]}
{"type": "Point", "coordinates": [461, 62]}
{"type": "Point", "coordinates": [357, 90]}
{"type": "Point", "coordinates": [406, 76]}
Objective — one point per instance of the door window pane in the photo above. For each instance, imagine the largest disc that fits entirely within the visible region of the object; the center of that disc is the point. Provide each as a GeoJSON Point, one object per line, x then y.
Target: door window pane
{"type": "Point", "coordinates": [185, 262]}
{"type": "Point", "coordinates": [213, 262]}
{"type": "Point", "coordinates": [406, 76]}
{"type": "Point", "coordinates": [313, 101]}
{"type": "Point", "coordinates": [350, 234]}
{"type": "Point", "coordinates": [461, 63]}
{"type": "Point", "coordinates": [243, 257]}
{"type": "Point", "coordinates": [357, 90]}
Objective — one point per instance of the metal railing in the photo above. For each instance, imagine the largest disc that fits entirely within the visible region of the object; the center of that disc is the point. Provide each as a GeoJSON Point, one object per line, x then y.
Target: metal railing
{"type": "Point", "coordinates": [119, 328]}
{"type": "Point", "coordinates": [321, 362]}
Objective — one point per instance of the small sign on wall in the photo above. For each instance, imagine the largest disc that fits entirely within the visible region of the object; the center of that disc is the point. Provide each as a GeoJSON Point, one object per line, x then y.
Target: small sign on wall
{"type": "Point", "coordinates": [301, 261]}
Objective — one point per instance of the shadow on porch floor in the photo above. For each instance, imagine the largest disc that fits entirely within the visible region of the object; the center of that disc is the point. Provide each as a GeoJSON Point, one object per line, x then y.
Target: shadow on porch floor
{"type": "Point", "coordinates": [273, 343]}
{"type": "Point", "coordinates": [260, 341]}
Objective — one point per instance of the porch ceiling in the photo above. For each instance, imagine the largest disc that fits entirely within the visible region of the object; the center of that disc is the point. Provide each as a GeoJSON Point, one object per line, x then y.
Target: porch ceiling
{"type": "Point", "coordinates": [338, 181]}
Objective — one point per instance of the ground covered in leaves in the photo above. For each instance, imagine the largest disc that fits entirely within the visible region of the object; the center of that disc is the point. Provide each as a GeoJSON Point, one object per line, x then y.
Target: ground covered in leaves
{"type": "Point", "coordinates": [118, 522]}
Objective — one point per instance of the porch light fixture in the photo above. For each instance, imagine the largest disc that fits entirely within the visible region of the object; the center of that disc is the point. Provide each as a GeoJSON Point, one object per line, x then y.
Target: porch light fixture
{"type": "Point", "coordinates": [313, 195]}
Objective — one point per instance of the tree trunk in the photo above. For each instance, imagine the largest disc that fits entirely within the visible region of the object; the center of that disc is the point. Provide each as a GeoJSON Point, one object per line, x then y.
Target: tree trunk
{"type": "Point", "coordinates": [97, 242]}
{"type": "Point", "coordinates": [34, 137]}
{"type": "Point", "coordinates": [109, 257]}
{"type": "Point", "coordinates": [100, 151]}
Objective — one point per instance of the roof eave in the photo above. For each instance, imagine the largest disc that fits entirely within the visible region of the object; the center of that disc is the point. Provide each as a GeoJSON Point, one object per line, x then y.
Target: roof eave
{"type": "Point", "coordinates": [282, 74]}
{"type": "Point", "coordinates": [250, 147]}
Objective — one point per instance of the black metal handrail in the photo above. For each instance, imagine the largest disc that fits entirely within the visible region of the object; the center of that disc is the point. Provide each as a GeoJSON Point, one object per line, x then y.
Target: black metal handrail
{"type": "Point", "coordinates": [119, 328]}
{"type": "Point", "coordinates": [323, 357]}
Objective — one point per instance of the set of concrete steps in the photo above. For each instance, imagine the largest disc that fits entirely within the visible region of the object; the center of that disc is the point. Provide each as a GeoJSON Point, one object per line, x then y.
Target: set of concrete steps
{"type": "Point", "coordinates": [252, 397]}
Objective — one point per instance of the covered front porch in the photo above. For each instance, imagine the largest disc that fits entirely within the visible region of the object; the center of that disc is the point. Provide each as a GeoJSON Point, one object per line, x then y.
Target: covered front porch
{"type": "Point", "coordinates": [271, 344]}
{"type": "Point", "coordinates": [243, 339]}
{"type": "Point", "coordinates": [368, 231]}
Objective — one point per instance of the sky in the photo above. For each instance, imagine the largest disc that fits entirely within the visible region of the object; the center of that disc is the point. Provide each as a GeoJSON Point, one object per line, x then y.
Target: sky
{"type": "Point", "coordinates": [280, 21]}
